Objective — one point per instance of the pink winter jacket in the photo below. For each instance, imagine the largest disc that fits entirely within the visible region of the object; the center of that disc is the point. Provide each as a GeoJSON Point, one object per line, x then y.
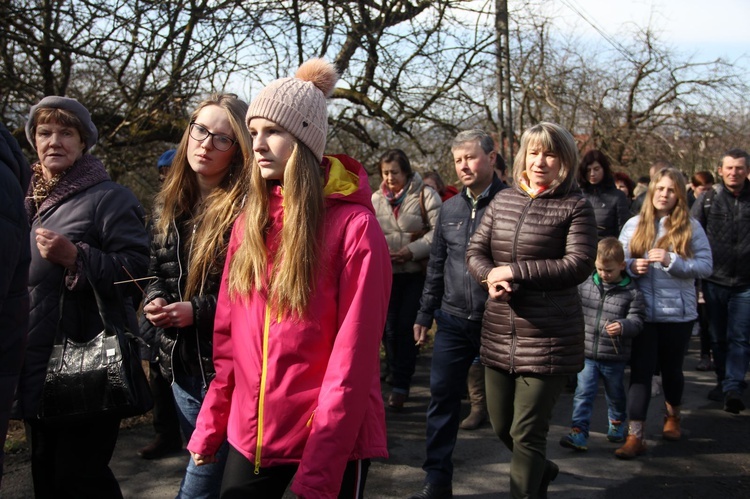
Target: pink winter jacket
{"type": "Point", "coordinates": [307, 391]}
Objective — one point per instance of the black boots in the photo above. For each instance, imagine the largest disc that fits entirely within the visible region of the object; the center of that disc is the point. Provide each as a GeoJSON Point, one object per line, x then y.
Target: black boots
{"type": "Point", "coordinates": [432, 491]}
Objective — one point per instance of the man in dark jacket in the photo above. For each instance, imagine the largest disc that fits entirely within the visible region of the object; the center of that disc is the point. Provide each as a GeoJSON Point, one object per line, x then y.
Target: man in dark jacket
{"type": "Point", "coordinates": [14, 273]}
{"type": "Point", "coordinates": [724, 213]}
{"type": "Point", "coordinates": [456, 302]}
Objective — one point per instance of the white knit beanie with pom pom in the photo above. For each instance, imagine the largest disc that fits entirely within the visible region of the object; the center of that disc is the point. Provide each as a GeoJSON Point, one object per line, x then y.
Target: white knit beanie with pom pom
{"type": "Point", "coordinates": [299, 104]}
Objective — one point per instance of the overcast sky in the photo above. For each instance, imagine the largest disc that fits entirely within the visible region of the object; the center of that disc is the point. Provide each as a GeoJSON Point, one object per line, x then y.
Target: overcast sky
{"type": "Point", "coordinates": [706, 28]}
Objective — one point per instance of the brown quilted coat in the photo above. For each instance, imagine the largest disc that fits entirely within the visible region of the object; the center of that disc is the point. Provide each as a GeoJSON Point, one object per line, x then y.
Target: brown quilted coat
{"type": "Point", "coordinates": [550, 244]}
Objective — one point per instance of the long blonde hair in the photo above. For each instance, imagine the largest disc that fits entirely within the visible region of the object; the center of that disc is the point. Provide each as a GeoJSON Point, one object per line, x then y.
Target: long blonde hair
{"type": "Point", "coordinates": [291, 281]}
{"type": "Point", "coordinates": [180, 196]}
{"type": "Point", "coordinates": [679, 231]}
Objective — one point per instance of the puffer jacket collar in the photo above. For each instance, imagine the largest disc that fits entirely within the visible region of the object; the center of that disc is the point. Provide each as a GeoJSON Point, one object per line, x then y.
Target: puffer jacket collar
{"type": "Point", "coordinates": [84, 173]}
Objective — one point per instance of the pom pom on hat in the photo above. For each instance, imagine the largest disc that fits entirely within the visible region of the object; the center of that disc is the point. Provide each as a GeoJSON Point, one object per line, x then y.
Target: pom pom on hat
{"type": "Point", "coordinates": [299, 104]}
{"type": "Point", "coordinates": [320, 73]}
{"type": "Point", "coordinates": [69, 104]}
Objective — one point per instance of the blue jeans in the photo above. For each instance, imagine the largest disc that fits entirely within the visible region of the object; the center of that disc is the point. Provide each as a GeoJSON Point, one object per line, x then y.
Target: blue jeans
{"type": "Point", "coordinates": [456, 346]}
{"type": "Point", "coordinates": [612, 373]}
{"type": "Point", "coordinates": [200, 482]}
{"type": "Point", "coordinates": [729, 324]}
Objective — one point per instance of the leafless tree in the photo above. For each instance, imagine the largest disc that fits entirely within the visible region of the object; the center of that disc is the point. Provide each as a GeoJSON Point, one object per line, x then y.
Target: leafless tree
{"type": "Point", "coordinates": [414, 72]}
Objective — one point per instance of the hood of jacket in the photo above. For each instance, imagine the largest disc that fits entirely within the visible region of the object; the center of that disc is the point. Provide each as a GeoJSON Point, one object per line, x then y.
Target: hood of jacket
{"type": "Point", "coordinates": [346, 181]}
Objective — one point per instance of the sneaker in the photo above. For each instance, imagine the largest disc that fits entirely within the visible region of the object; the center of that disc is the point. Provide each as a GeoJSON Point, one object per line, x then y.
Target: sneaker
{"type": "Point", "coordinates": [733, 403]}
{"type": "Point", "coordinates": [716, 394]}
{"type": "Point", "coordinates": [705, 364]}
{"type": "Point", "coordinates": [575, 440]}
{"type": "Point", "coordinates": [616, 432]}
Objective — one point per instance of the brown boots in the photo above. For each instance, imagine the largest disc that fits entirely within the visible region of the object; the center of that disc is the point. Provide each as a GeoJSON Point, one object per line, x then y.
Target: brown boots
{"type": "Point", "coordinates": [671, 429]}
{"type": "Point", "coordinates": [478, 414]}
{"type": "Point", "coordinates": [635, 445]}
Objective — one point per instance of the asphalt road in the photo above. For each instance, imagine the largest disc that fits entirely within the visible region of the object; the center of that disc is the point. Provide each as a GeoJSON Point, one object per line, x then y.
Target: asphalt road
{"type": "Point", "coordinates": [711, 461]}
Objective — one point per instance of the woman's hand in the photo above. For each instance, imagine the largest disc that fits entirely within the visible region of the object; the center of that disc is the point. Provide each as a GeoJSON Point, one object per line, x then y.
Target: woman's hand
{"type": "Point", "coordinates": [200, 459]}
{"type": "Point", "coordinates": [659, 255]}
{"type": "Point", "coordinates": [502, 273]}
{"type": "Point", "coordinates": [613, 329]}
{"type": "Point", "coordinates": [402, 256]}
{"type": "Point", "coordinates": [164, 315]}
{"type": "Point", "coordinates": [499, 283]}
{"type": "Point", "coordinates": [640, 266]}
{"type": "Point", "coordinates": [500, 290]}
{"type": "Point", "coordinates": [56, 248]}
{"type": "Point", "coordinates": [155, 314]}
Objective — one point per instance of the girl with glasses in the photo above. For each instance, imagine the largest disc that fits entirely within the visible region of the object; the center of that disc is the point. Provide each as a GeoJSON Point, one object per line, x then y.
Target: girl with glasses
{"type": "Point", "coordinates": [195, 210]}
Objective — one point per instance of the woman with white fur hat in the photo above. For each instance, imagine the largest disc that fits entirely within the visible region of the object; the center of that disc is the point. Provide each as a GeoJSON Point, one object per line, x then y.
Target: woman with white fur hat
{"type": "Point", "coordinates": [301, 311]}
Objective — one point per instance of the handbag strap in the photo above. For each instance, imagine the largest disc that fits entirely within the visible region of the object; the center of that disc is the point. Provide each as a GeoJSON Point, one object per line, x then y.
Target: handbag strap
{"type": "Point", "coordinates": [59, 333]}
{"type": "Point", "coordinates": [111, 310]}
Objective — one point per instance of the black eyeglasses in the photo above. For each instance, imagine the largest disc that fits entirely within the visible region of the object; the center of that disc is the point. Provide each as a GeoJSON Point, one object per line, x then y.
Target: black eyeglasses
{"type": "Point", "coordinates": [220, 141]}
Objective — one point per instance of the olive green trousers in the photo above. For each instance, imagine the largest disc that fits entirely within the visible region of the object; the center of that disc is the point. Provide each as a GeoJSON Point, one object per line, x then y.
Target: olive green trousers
{"type": "Point", "coordinates": [520, 408]}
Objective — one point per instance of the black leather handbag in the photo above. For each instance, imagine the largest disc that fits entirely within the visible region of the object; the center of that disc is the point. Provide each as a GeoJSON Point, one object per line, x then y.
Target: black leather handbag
{"type": "Point", "coordinates": [102, 376]}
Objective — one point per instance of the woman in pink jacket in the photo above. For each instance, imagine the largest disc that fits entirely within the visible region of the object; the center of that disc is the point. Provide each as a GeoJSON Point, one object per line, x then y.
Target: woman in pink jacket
{"type": "Point", "coordinates": [300, 312]}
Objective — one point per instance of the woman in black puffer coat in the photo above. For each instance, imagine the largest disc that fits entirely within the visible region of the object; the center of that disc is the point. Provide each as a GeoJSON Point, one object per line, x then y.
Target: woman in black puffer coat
{"type": "Point", "coordinates": [611, 206]}
{"type": "Point", "coordinates": [194, 214]}
{"type": "Point", "coordinates": [169, 262]}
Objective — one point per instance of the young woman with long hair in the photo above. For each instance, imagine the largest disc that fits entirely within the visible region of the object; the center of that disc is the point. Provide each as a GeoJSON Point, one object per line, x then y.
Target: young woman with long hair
{"type": "Point", "coordinates": [301, 311]}
{"type": "Point", "coordinates": [195, 210]}
{"type": "Point", "coordinates": [666, 250]}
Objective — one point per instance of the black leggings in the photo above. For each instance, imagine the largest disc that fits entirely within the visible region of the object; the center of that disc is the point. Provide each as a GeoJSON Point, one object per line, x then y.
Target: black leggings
{"type": "Point", "coordinates": [241, 482]}
{"type": "Point", "coordinates": [661, 343]}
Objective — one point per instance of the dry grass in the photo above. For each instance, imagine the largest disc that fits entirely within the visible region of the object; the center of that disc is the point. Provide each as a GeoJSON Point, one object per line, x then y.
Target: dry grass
{"type": "Point", "coordinates": [16, 438]}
